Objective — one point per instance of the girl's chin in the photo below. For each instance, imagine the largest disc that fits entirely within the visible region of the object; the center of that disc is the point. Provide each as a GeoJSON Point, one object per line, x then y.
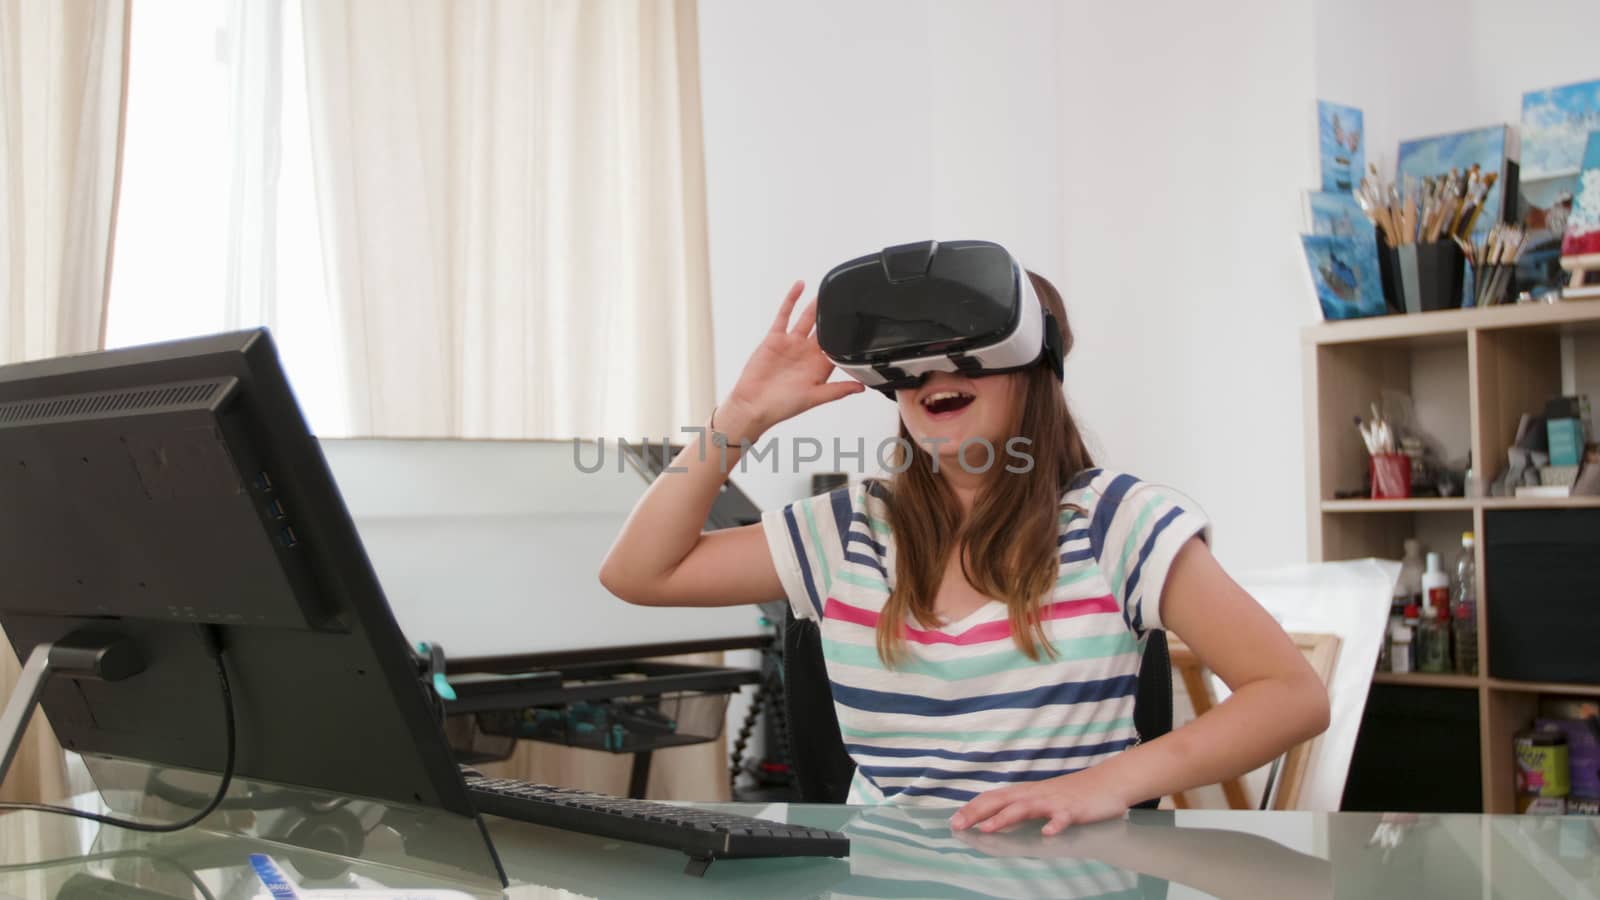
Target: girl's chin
{"type": "Point", "coordinates": [947, 445]}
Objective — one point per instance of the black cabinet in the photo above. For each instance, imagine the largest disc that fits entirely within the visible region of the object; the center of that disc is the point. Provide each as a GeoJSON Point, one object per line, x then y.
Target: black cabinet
{"type": "Point", "coordinates": [1417, 751]}
{"type": "Point", "coordinates": [1543, 586]}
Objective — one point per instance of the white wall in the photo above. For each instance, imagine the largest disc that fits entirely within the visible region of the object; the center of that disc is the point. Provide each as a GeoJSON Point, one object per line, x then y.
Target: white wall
{"type": "Point", "coordinates": [1188, 144]}
{"type": "Point", "coordinates": [1480, 58]}
{"type": "Point", "coordinates": [835, 128]}
{"type": "Point", "coordinates": [1147, 158]}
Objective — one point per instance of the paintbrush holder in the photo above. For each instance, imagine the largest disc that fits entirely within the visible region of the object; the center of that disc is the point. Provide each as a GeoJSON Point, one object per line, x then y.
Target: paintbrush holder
{"type": "Point", "coordinates": [1429, 276]}
{"type": "Point", "coordinates": [1389, 275]}
{"type": "Point", "coordinates": [1391, 476]}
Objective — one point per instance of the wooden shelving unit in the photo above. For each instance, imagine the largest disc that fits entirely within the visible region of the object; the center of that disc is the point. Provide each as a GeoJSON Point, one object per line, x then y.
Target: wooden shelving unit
{"type": "Point", "coordinates": [1471, 374]}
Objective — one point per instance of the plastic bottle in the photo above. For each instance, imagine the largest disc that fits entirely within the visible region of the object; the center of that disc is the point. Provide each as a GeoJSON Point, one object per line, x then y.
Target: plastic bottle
{"type": "Point", "coordinates": [1433, 634]}
{"type": "Point", "coordinates": [1400, 647]}
{"type": "Point", "coordinates": [1408, 586]}
{"type": "Point", "coordinates": [1464, 608]}
{"type": "Point", "coordinates": [1412, 619]}
{"type": "Point", "coordinates": [1407, 590]}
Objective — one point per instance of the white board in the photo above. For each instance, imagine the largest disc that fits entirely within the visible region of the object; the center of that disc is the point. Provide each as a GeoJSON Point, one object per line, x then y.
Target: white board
{"type": "Point", "coordinates": [492, 548]}
{"type": "Point", "coordinates": [1349, 599]}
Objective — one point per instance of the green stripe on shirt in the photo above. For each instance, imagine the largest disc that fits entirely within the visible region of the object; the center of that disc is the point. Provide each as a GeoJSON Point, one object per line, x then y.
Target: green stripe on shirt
{"type": "Point", "coordinates": [1007, 660]}
{"type": "Point", "coordinates": [1059, 731]}
{"type": "Point", "coordinates": [818, 549]}
{"type": "Point", "coordinates": [1130, 549]}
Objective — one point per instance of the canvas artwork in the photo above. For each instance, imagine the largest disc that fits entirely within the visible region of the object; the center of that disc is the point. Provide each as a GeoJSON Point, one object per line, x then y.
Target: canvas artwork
{"type": "Point", "coordinates": [1487, 148]}
{"type": "Point", "coordinates": [1341, 145]}
{"type": "Point", "coordinates": [1555, 127]}
{"type": "Point", "coordinates": [1337, 213]}
{"type": "Point", "coordinates": [1344, 271]}
{"type": "Point", "coordinates": [1583, 226]}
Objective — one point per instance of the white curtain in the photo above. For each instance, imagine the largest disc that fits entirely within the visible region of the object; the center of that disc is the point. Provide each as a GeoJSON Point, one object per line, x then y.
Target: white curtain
{"type": "Point", "coordinates": [513, 212]}
{"type": "Point", "coordinates": [62, 68]}
{"type": "Point", "coordinates": [255, 113]}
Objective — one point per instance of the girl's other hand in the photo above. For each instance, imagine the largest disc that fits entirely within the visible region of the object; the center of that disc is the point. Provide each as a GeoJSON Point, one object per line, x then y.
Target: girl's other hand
{"type": "Point", "coordinates": [785, 376]}
{"type": "Point", "coordinates": [1075, 799]}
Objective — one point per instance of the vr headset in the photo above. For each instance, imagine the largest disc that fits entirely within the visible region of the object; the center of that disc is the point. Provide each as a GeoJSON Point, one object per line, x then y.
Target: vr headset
{"type": "Point", "coordinates": [889, 319]}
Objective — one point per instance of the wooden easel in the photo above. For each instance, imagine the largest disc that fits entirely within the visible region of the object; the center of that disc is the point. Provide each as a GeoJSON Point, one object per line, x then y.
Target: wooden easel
{"type": "Point", "coordinates": [1321, 650]}
{"type": "Point", "coordinates": [1584, 277]}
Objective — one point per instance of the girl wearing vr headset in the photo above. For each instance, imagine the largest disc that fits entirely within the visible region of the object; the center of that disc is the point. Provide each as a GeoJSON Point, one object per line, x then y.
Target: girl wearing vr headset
{"type": "Point", "coordinates": [982, 625]}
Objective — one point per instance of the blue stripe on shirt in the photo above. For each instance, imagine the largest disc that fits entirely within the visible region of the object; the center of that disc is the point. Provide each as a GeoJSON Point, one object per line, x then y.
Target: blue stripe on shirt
{"type": "Point", "coordinates": [968, 775]}
{"type": "Point", "coordinates": [1067, 752]}
{"type": "Point", "coordinates": [799, 545]}
{"type": "Point", "coordinates": [876, 886]}
{"type": "Point", "coordinates": [1134, 616]}
{"type": "Point", "coordinates": [1076, 534]}
{"type": "Point", "coordinates": [946, 793]}
{"type": "Point", "coordinates": [1072, 556]}
{"type": "Point", "coordinates": [869, 561]}
{"type": "Point", "coordinates": [1084, 479]}
{"type": "Point", "coordinates": [1105, 512]}
{"type": "Point", "coordinates": [1049, 695]}
{"type": "Point", "coordinates": [840, 500]}
{"type": "Point", "coordinates": [865, 537]}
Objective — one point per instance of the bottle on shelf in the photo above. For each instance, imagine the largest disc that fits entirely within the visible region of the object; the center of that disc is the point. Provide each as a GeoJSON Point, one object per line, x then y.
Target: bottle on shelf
{"type": "Point", "coordinates": [1407, 590]}
{"type": "Point", "coordinates": [1464, 608]}
{"type": "Point", "coordinates": [1399, 647]}
{"type": "Point", "coordinates": [1408, 586]}
{"type": "Point", "coordinates": [1412, 619]}
{"type": "Point", "coordinates": [1433, 633]}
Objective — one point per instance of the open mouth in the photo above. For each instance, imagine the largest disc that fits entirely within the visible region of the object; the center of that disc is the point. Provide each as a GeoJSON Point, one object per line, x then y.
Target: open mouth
{"type": "Point", "coordinates": [941, 402]}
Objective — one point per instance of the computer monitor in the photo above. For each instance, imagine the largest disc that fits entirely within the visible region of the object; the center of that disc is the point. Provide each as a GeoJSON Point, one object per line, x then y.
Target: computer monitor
{"type": "Point", "coordinates": [172, 497]}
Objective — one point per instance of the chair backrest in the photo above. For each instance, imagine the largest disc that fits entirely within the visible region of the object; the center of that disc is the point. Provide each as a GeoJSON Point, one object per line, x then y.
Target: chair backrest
{"type": "Point", "coordinates": [822, 768]}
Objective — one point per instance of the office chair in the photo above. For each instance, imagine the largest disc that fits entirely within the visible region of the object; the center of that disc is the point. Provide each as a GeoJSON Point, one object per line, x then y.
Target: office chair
{"type": "Point", "coordinates": [823, 770]}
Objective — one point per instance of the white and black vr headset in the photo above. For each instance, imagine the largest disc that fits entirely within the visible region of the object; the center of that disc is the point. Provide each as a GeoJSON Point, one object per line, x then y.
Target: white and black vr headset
{"type": "Point", "coordinates": [889, 319]}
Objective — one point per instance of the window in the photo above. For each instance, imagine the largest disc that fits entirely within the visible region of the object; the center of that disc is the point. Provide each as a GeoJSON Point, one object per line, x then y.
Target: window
{"type": "Point", "coordinates": [217, 219]}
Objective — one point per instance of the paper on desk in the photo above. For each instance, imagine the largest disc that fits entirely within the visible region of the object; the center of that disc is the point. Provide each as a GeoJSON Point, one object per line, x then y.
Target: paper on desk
{"type": "Point", "coordinates": [279, 887]}
{"type": "Point", "coordinates": [1350, 599]}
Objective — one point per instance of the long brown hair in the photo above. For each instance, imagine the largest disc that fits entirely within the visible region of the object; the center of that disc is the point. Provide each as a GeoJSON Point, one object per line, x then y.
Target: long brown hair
{"type": "Point", "coordinates": [1008, 543]}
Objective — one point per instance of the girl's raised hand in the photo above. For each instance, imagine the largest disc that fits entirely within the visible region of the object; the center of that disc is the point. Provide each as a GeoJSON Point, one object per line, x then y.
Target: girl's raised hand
{"type": "Point", "coordinates": [785, 376]}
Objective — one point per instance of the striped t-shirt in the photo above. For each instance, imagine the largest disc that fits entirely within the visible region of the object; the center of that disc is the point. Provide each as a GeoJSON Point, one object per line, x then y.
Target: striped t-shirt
{"type": "Point", "coordinates": [965, 711]}
{"type": "Point", "coordinates": [901, 852]}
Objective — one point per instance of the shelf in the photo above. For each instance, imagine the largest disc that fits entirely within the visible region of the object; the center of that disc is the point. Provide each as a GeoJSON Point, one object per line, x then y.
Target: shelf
{"type": "Point", "coordinates": [1540, 502]}
{"type": "Point", "coordinates": [1425, 679]}
{"type": "Point", "coordinates": [1414, 504]}
{"type": "Point", "coordinates": [1432, 327]}
{"type": "Point", "coordinates": [1544, 687]}
{"type": "Point", "coordinates": [1471, 375]}
{"type": "Point", "coordinates": [1446, 504]}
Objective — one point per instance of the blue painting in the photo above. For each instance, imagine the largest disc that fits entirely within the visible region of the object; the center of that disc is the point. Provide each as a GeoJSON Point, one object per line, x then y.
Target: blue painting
{"type": "Point", "coordinates": [1555, 125]}
{"type": "Point", "coordinates": [1485, 147]}
{"type": "Point", "coordinates": [1341, 145]}
{"type": "Point", "coordinates": [1337, 213]}
{"type": "Point", "coordinates": [1344, 272]}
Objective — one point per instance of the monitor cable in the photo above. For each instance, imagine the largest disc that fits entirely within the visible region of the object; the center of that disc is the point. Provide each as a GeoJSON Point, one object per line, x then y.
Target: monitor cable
{"type": "Point", "coordinates": [213, 644]}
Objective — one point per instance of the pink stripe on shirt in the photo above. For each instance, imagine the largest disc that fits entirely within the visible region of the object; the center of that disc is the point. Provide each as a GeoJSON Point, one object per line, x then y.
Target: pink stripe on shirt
{"type": "Point", "coordinates": [977, 634]}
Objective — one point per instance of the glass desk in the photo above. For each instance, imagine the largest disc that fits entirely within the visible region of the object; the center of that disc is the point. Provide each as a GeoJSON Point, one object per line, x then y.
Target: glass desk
{"type": "Point", "coordinates": [895, 853]}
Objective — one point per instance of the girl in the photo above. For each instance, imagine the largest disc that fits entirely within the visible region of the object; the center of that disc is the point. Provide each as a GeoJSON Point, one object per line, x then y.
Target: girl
{"type": "Point", "coordinates": [981, 626]}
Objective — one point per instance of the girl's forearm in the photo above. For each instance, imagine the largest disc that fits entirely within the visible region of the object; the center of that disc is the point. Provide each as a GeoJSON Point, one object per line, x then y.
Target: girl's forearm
{"type": "Point", "coordinates": [1257, 723]}
{"type": "Point", "coordinates": [666, 524]}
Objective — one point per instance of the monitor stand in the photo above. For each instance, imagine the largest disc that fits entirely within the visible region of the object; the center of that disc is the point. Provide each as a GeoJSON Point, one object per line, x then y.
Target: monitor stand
{"type": "Point", "coordinates": [94, 654]}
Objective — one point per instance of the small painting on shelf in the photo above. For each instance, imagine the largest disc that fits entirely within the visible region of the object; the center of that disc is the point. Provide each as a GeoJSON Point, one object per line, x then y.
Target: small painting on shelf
{"type": "Point", "coordinates": [1555, 128]}
{"type": "Point", "coordinates": [1491, 149]}
{"type": "Point", "coordinates": [1344, 272]}
{"type": "Point", "coordinates": [1341, 145]}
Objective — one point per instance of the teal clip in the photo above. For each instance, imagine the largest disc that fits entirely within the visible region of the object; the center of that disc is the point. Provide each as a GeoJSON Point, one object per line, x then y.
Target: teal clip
{"type": "Point", "coordinates": [436, 665]}
{"type": "Point", "coordinates": [442, 687]}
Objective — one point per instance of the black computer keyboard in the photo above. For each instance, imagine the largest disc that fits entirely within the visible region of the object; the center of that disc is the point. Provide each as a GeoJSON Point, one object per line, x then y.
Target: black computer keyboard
{"type": "Point", "coordinates": [703, 834]}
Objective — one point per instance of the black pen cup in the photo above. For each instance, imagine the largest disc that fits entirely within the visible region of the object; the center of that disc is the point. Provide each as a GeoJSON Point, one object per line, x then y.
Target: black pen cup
{"type": "Point", "coordinates": [1427, 276]}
